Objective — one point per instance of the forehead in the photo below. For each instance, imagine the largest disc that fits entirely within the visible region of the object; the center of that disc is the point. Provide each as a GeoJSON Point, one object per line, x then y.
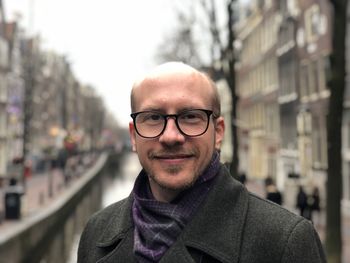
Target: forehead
{"type": "Point", "coordinates": [175, 90]}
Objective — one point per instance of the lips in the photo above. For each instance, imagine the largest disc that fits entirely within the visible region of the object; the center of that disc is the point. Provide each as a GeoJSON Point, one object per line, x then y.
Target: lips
{"type": "Point", "coordinates": [173, 160]}
{"type": "Point", "coordinates": [173, 156]}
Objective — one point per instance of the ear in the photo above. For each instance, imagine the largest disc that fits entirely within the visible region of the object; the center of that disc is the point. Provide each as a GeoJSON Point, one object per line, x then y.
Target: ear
{"type": "Point", "coordinates": [219, 132]}
{"type": "Point", "coordinates": [132, 134]}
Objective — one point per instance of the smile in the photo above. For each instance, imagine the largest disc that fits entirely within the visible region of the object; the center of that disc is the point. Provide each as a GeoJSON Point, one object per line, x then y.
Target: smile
{"type": "Point", "coordinates": [173, 159]}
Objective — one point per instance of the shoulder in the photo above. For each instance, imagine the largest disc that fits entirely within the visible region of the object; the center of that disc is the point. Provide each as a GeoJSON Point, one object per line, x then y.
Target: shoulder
{"type": "Point", "coordinates": [290, 237]}
{"type": "Point", "coordinates": [272, 217]}
{"type": "Point", "coordinates": [260, 208]}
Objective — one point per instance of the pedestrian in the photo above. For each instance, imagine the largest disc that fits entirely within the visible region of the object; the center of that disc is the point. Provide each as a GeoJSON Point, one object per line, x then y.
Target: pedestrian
{"type": "Point", "coordinates": [242, 178]}
{"type": "Point", "coordinates": [185, 206]}
{"type": "Point", "coordinates": [302, 203]}
{"type": "Point", "coordinates": [314, 203]}
{"type": "Point", "coordinates": [2, 194]}
{"type": "Point", "coordinates": [273, 194]}
{"type": "Point", "coordinates": [268, 181]}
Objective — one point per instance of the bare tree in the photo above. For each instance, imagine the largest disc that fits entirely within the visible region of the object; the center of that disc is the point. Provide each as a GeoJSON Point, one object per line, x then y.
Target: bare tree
{"type": "Point", "coordinates": [334, 124]}
{"type": "Point", "coordinates": [180, 45]}
{"type": "Point", "coordinates": [226, 65]}
{"type": "Point", "coordinates": [229, 57]}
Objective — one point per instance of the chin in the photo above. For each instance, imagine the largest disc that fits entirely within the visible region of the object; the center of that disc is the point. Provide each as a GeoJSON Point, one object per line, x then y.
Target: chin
{"type": "Point", "coordinates": [175, 182]}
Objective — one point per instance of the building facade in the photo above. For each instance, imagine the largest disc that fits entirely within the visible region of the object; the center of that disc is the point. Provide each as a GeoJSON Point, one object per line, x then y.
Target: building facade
{"type": "Point", "coordinates": [41, 104]}
{"type": "Point", "coordinates": [15, 93]}
{"type": "Point", "coordinates": [314, 47]}
{"type": "Point", "coordinates": [258, 109]}
{"type": "Point", "coordinates": [282, 79]}
{"type": "Point", "coordinates": [288, 95]}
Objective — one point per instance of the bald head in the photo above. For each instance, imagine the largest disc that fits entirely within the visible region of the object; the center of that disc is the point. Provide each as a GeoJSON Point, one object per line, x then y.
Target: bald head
{"type": "Point", "coordinates": [177, 70]}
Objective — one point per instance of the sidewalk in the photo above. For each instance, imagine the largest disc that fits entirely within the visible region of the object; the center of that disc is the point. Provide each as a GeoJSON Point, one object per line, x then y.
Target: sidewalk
{"type": "Point", "coordinates": [257, 188]}
{"type": "Point", "coordinates": [41, 190]}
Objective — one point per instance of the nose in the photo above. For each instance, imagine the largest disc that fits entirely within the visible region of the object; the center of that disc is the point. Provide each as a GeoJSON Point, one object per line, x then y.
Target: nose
{"type": "Point", "coordinates": [171, 134]}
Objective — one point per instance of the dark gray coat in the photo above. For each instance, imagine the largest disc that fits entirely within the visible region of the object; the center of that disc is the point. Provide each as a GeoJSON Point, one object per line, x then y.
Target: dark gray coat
{"type": "Point", "coordinates": [232, 225]}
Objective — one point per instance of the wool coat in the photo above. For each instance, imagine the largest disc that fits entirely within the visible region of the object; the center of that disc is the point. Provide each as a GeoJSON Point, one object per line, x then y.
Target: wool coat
{"type": "Point", "coordinates": [231, 225]}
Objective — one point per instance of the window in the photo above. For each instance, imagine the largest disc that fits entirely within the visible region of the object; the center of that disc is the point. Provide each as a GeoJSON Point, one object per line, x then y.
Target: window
{"type": "Point", "coordinates": [319, 142]}
{"type": "Point", "coordinates": [268, 4]}
{"type": "Point", "coordinates": [292, 6]}
{"type": "Point", "coordinates": [3, 88]}
{"type": "Point", "coordinates": [272, 119]}
{"type": "Point", "coordinates": [3, 52]}
{"type": "Point", "coordinates": [272, 166]}
{"type": "Point", "coordinates": [348, 135]}
{"type": "Point", "coordinates": [323, 69]}
{"type": "Point", "coordinates": [312, 23]}
{"type": "Point", "coordinates": [2, 125]}
{"type": "Point", "coordinates": [304, 81]}
{"type": "Point", "coordinates": [313, 77]}
{"type": "Point", "coordinates": [346, 188]}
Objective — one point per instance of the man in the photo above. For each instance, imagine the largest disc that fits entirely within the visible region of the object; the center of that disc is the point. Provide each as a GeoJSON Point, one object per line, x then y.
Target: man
{"type": "Point", "coordinates": [185, 206]}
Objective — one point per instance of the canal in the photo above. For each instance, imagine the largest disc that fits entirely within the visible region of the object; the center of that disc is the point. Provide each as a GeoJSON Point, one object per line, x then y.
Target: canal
{"type": "Point", "coordinates": [115, 188]}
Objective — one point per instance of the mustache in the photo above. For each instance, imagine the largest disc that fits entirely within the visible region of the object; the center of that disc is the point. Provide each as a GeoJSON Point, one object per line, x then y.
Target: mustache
{"type": "Point", "coordinates": [172, 152]}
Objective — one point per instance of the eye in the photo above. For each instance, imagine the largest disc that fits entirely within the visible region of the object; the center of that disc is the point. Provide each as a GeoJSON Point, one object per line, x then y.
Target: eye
{"type": "Point", "coordinates": [192, 117]}
{"type": "Point", "coordinates": [150, 117]}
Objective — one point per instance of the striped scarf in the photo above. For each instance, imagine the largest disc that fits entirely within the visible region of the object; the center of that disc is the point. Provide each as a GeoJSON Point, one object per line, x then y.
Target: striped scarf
{"type": "Point", "coordinates": [158, 224]}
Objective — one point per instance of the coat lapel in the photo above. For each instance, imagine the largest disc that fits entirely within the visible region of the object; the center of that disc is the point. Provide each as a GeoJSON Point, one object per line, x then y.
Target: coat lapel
{"type": "Point", "coordinates": [178, 252]}
{"type": "Point", "coordinates": [118, 235]}
{"type": "Point", "coordinates": [123, 251]}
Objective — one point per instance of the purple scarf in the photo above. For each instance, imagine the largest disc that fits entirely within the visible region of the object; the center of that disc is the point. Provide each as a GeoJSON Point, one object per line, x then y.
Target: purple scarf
{"type": "Point", "coordinates": [158, 224]}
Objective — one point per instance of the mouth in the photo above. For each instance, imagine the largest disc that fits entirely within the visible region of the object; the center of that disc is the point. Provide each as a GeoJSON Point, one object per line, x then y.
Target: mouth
{"type": "Point", "coordinates": [173, 158]}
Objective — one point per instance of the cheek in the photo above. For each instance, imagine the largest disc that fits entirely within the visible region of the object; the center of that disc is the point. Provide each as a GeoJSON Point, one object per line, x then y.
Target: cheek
{"type": "Point", "coordinates": [142, 147]}
{"type": "Point", "coordinates": [206, 146]}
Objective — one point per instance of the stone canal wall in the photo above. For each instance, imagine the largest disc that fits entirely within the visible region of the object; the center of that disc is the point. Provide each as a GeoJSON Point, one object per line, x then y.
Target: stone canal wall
{"type": "Point", "coordinates": [48, 235]}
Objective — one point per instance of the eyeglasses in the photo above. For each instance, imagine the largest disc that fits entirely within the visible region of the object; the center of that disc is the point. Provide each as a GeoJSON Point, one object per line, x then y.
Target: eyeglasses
{"type": "Point", "coordinates": [151, 124]}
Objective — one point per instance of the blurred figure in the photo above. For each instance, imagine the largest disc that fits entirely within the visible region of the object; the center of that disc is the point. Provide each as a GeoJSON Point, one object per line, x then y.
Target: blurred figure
{"type": "Point", "coordinates": [27, 169]}
{"type": "Point", "coordinates": [2, 215]}
{"type": "Point", "coordinates": [273, 194]}
{"type": "Point", "coordinates": [302, 203]}
{"type": "Point", "coordinates": [62, 158]}
{"type": "Point", "coordinates": [242, 178]}
{"type": "Point", "coordinates": [268, 181]}
{"type": "Point", "coordinates": [314, 202]}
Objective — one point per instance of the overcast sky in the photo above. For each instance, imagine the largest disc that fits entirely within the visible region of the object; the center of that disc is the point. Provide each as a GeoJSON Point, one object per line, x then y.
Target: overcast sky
{"type": "Point", "coordinates": [108, 42]}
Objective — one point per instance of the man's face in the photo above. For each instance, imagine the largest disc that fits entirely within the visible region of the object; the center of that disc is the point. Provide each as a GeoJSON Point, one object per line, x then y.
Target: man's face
{"type": "Point", "coordinates": [172, 160]}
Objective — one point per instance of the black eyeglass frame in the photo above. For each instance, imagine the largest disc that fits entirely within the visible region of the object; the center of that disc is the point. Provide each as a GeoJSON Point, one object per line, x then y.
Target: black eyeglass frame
{"type": "Point", "coordinates": [175, 116]}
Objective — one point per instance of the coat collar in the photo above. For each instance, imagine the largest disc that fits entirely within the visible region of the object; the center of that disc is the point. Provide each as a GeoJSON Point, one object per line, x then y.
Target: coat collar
{"type": "Point", "coordinates": [216, 229]}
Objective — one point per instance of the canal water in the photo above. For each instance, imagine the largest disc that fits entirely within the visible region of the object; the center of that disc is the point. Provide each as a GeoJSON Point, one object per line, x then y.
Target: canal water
{"type": "Point", "coordinates": [115, 189]}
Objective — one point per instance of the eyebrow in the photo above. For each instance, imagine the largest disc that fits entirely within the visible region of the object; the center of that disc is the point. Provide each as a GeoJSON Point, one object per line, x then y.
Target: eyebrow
{"type": "Point", "coordinates": [177, 111]}
{"type": "Point", "coordinates": [152, 109]}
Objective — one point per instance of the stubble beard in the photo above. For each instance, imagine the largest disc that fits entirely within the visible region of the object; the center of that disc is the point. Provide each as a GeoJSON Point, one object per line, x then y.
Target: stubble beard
{"type": "Point", "coordinates": [174, 170]}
